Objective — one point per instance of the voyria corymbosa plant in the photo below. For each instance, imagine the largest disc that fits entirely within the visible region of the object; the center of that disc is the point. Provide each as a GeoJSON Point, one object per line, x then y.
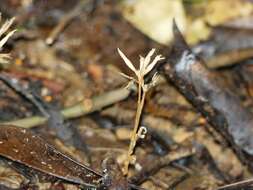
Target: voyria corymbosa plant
{"type": "Point", "coordinates": [146, 65]}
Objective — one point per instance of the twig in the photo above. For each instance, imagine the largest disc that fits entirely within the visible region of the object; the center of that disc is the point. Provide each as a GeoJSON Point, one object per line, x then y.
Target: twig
{"type": "Point", "coordinates": [238, 185]}
{"type": "Point", "coordinates": [159, 183]}
{"type": "Point", "coordinates": [80, 109]}
{"type": "Point", "coordinates": [207, 159]}
{"type": "Point", "coordinates": [178, 181]}
{"type": "Point", "coordinates": [106, 149]}
{"type": "Point", "coordinates": [13, 83]}
{"type": "Point", "coordinates": [65, 21]}
{"type": "Point", "coordinates": [229, 58]}
{"type": "Point", "coordinates": [157, 164]}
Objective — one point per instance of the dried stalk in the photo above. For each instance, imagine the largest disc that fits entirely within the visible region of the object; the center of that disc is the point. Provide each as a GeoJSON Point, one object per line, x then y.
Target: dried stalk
{"type": "Point", "coordinates": [134, 136]}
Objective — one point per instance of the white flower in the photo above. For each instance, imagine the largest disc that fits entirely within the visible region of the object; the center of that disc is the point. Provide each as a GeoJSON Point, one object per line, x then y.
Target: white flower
{"type": "Point", "coordinates": [146, 65]}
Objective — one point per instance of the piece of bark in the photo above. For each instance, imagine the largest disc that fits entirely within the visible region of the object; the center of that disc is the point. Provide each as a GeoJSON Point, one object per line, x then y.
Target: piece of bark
{"type": "Point", "coordinates": [211, 97]}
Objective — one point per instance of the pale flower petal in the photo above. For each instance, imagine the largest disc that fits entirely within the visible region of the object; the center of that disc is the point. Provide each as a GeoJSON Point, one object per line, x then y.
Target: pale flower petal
{"type": "Point", "coordinates": [127, 61]}
{"type": "Point", "coordinates": [4, 58]}
{"type": "Point", "coordinates": [6, 26]}
{"type": "Point", "coordinates": [148, 58]}
{"type": "Point", "coordinates": [145, 65]}
{"type": "Point", "coordinates": [153, 63]}
{"type": "Point", "coordinates": [142, 59]}
{"type": "Point", "coordinates": [4, 40]}
{"type": "Point", "coordinates": [126, 76]}
{"type": "Point", "coordinates": [142, 64]}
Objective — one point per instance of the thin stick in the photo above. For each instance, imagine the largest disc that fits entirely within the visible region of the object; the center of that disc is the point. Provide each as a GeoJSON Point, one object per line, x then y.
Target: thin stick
{"type": "Point", "coordinates": [12, 83]}
{"type": "Point", "coordinates": [158, 163]}
{"type": "Point", "coordinates": [80, 109]}
{"type": "Point", "coordinates": [65, 21]}
{"type": "Point", "coordinates": [237, 185]}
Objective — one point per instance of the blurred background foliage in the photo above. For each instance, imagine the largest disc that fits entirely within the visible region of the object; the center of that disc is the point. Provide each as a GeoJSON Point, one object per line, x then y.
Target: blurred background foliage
{"type": "Point", "coordinates": [194, 17]}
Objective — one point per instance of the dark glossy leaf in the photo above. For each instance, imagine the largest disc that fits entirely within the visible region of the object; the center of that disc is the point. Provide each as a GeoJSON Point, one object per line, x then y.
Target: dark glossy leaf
{"type": "Point", "coordinates": [22, 146]}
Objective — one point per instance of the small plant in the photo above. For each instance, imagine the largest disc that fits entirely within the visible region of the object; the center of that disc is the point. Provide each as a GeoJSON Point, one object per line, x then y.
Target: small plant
{"type": "Point", "coordinates": [146, 65]}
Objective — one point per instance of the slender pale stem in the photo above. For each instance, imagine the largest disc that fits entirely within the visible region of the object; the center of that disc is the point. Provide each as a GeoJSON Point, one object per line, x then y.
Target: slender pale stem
{"type": "Point", "coordinates": [134, 137]}
{"type": "Point", "coordinates": [139, 91]}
